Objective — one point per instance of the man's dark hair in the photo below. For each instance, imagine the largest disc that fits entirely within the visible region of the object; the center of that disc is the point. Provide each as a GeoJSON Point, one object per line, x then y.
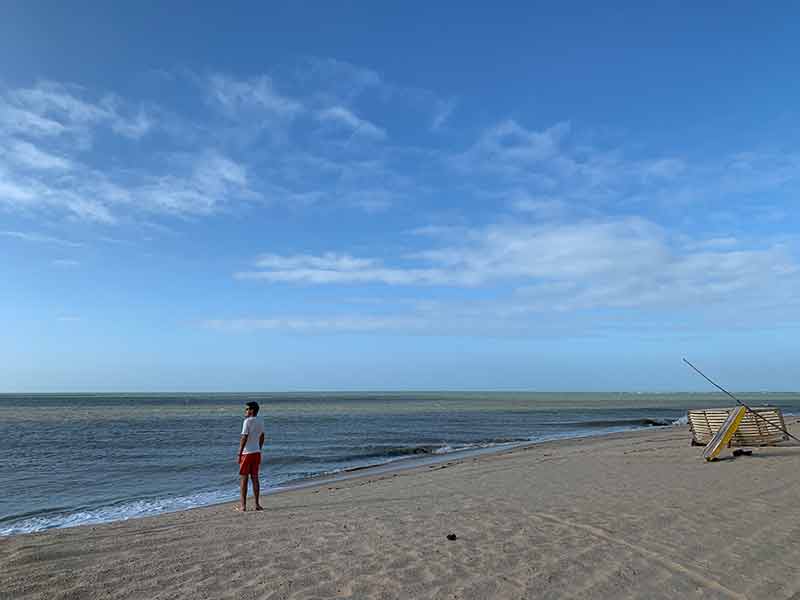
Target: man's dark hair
{"type": "Point", "coordinates": [253, 406]}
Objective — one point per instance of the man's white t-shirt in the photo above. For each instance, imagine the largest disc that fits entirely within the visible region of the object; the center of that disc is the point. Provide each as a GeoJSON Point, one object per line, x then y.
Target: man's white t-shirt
{"type": "Point", "coordinates": [252, 427]}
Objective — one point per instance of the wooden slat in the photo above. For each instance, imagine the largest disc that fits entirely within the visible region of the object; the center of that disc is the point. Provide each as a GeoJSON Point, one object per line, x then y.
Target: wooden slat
{"type": "Point", "coordinates": [705, 423]}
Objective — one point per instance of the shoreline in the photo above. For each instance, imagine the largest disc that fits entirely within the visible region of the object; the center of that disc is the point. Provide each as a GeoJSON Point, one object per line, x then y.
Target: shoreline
{"type": "Point", "coordinates": [631, 514]}
{"type": "Point", "coordinates": [344, 474]}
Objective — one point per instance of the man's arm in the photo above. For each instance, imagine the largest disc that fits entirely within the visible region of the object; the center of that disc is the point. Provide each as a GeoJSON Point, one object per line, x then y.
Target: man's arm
{"type": "Point", "coordinates": [243, 438]}
{"type": "Point", "coordinates": [261, 441]}
{"type": "Point", "coordinates": [242, 442]}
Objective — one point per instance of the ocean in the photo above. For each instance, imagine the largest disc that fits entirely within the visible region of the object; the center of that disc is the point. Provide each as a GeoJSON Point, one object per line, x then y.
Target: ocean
{"type": "Point", "coordinates": [72, 459]}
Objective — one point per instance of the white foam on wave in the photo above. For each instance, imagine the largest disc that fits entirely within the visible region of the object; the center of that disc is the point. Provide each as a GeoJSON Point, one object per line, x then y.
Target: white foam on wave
{"type": "Point", "coordinates": [684, 420]}
{"type": "Point", "coordinates": [120, 512]}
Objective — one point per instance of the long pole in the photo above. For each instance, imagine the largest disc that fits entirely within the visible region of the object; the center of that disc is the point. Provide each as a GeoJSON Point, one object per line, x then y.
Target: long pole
{"type": "Point", "coordinates": [719, 387]}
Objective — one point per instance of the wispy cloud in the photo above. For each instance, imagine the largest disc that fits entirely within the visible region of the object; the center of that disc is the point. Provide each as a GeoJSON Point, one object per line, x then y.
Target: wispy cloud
{"type": "Point", "coordinates": [69, 318]}
{"type": "Point", "coordinates": [300, 137]}
{"type": "Point", "coordinates": [39, 238]}
{"type": "Point", "coordinates": [449, 320]}
{"type": "Point", "coordinates": [26, 155]}
{"type": "Point", "coordinates": [339, 83]}
{"type": "Point", "coordinates": [235, 96]}
{"type": "Point", "coordinates": [54, 109]}
{"type": "Point", "coordinates": [135, 126]}
{"type": "Point", "coordinates": [341, 116]}
{"type": "Point", "coordinates": [628, 262]}
{"type": "Point", "coordinates": [19, 120]}
{"type": "Point", "coordinates": [544, 207]}
{"type": "Point", "coordinates": [334, 81]}
{"type": "Point", "coordinates": [372, 200]}
{"type": "Point", "coordinates": [66, 263]}
{"type": "Point", "coordinates": [331, 324]}
{"type": "Point", "coordinates": [198, 184]}
{"type": "Point", "coordinates": [45, 132]}
{"type": "Point", "coordinates": [512, 149]}
{"type": "Point", "coordinates": [338, 268]}
{"type": "Point", "coordinates": [60, 148]}
{"type": "Point", "coordinates": [213, 183]}
{"type": "Point", "coordinates": [554, 173]}
{"type": "Point", "coordinates": [328, 261]}
{"type": "Point", "coordinates": [552, 168]}
{"type": "Point", "coordinates": [442, 111]}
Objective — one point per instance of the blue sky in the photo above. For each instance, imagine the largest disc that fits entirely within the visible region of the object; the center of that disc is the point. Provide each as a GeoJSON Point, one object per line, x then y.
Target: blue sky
{"type": "Point", "coordinates": [356, 196]}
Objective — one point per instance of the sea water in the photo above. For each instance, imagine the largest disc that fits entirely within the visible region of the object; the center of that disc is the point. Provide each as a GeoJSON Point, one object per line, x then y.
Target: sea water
{"type": "Point", "coordinates": [75, 459]}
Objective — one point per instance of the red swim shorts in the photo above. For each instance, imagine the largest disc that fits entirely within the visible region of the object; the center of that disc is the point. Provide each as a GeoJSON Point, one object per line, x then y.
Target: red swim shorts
{"type": "Point", "coordinates": [249, 463]}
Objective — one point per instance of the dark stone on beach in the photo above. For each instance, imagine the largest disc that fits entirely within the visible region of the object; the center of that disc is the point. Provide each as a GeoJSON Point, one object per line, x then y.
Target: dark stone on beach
{"type": "Point", "coordinates": [452, 536]}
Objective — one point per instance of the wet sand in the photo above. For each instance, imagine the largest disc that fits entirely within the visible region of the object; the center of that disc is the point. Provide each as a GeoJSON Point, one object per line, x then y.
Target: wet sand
{"type": "Point", "coordinates": [634, 515]}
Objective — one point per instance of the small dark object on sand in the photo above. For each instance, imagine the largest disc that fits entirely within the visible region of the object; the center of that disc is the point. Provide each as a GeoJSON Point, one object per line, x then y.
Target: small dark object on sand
{"type": "Point", "coordinates": [452, 536]}
{"type": "Point", "coordinates": [740, 452]}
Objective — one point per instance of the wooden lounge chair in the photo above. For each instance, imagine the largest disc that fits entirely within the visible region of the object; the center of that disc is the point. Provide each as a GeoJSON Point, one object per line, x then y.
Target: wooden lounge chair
{"type": "Point", "coordinates": [704, 424]}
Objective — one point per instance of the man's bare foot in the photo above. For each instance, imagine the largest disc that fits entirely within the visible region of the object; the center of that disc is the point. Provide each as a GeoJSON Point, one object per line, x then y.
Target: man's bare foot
{"type": "Point", "coordinates": [259, 507]}
{"type": "Point", "coordinates": [240, 509]}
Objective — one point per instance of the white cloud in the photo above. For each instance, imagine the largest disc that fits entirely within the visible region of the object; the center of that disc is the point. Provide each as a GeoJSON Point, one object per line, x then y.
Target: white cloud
{"type": "Point", "coordinates": [29, 156]}
{"type": "Point", "coordinates": [257, 93]}
{"type": "Point", "coordinates": [663, 168]}
{"type": "Point", "coordinates": [77, 195]}
{"type": "Point", "coordinates": [544, 207]}
{"type": "Point", "coordinates": [66, 263]}
{"type": "Point", "coordinates": [358, 126]}
{"type": "Point", "coordinates": [39, 238]}
{"type": "Point", "coordinates": [49, 98]}
{"type": "Point", "coordinates": [718, 243]}
{"type": "Point", "coordinates": [339, 83]}
{"type": "Point", "coordinates": [449, 320]}
{"type": "Point", "coordinates": [330, 324]}
{"type": "Point", "coordinates": [134, 127]}
{"type": "Point", "coordinates": [328, 276]}
{"type": "Point", "coordinates": [553, 251]}
{"type": "Point", "coordinates": [214, 183]}
{"type": "Point", "coordinates": [333, 268]}
{"type": "Point", "coordinates": [337, 80]}
{"type": "Point", "coordinates": [372, 200]}
{"type": "Point", "coordinates": [628, 262]}
{"type": "Point", "coordinates": [358, 180]}
{"type": "Point", "coordinates": [192, 185]}
{"type": "Point", "coordinates": [442, 111]}
{"type": "Point", "coordinates": [510, 147]}
{"type": "Point", "coordinates": [17, 191]}
{"type": "Point", "coordinates": [67, 151]}
{"type": "Point", "coordinates": [327, 261]}
{"type": "Point", "coordinates": [87, 209]}
{"type": "Point", "coordinates": [439, 231]}
{"type": "Point", "coordinates": [551, 172]}
{"type": "Point", "coordinates": [545, 175]}
{"type": "Point", "coordinates": [53, 109]}
{"type": "Point", "coordinates": [17, 120]}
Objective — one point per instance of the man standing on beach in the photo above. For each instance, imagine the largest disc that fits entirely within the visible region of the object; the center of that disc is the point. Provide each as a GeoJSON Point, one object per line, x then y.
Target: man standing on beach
{"type": "Point", "coordinates": [250, 444]}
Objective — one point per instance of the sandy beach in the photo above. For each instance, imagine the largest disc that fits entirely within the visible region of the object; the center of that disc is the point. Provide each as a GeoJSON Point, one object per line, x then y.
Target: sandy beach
{"type": "Point", "coordinates": [634, 515]}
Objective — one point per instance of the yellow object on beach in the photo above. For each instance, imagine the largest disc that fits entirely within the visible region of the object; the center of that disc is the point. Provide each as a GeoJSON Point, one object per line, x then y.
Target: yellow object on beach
{"type": "Point", "coordinates": [725, 433]}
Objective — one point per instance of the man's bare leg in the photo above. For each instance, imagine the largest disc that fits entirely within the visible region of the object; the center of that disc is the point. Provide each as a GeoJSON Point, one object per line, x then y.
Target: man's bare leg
{"type": "Point", "coordinates": [243, 493]}
{"type": "Point", "coordinates": [256, 491]}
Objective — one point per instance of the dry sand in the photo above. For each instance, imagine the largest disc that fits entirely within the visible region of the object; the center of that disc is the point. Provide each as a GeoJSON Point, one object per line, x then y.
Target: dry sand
{"type": "Point", "coordinates": [635, 515]}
